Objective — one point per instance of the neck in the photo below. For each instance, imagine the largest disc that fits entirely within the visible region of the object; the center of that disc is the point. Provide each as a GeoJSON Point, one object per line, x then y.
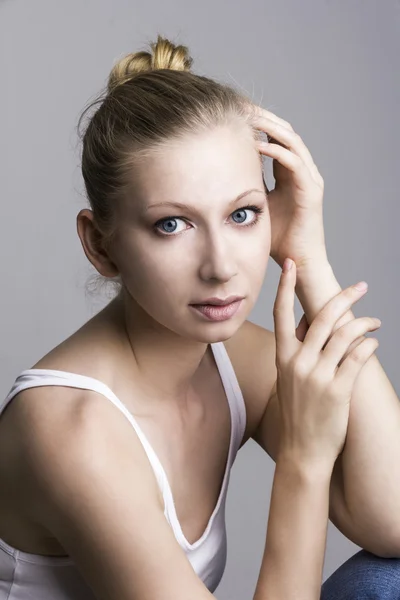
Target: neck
{"type": "Point", "coordinates": [164, 364]}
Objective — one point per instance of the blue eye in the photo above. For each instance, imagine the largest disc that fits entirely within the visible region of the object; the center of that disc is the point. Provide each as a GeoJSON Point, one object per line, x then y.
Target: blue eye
{"type": "Point", "coordinates": [170, 220]}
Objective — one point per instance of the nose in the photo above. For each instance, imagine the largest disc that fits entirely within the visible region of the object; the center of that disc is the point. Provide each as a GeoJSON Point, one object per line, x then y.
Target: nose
{"type": "Point", "coordinates": [218, 260]}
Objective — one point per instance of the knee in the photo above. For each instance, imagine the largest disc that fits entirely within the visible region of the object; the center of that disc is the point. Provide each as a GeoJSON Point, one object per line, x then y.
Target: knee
{"type": "Point", "coordinates": [364, 576]}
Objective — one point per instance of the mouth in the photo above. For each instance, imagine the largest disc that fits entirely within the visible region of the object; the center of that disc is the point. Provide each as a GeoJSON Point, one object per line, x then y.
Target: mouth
{"type": "Point", "coordinates": [217, 301]}
{"type": "Point", "coordinates": [217, 312]}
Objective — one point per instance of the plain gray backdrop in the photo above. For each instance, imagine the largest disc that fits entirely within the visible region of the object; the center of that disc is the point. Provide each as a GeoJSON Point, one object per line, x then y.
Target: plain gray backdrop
{"type": "Point", "coordinates": [330, 68]}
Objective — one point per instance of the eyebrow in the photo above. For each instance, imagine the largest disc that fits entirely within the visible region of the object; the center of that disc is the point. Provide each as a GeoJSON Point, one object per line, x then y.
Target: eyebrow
{"type": "Point", "coordinates": [187, 207]}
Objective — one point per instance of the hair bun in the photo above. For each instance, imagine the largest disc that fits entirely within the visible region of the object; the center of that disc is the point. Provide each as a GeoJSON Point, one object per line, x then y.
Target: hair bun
{"type": "Point", "coordinates": [164, 55]}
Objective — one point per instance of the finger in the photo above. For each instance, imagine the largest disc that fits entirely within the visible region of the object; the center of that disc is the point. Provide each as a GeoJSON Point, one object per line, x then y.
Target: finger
{"type": "Point", "coordinates": [349, 370]}
{"type": "Point", "coordinates": [286, 158]}
{"type": "Point", "coordinates": [291, 161]}
{"type": "Point", "coordinates": [266, 114]}
{"type": "Point", "coordinates": [323, 324]}
{"type": "Point", "coordinates": [338, 346]}
{"type": "Point", "coordinates": [263, 112]}
{"type": "Point", "coordinates": [284, 319]}
{"type": "Point", "coordinates": [356, 343]}
{"type": "Point", "coordinates": [302, 328]}
{"type": "Point", "coordinates": [285, 136]}
{"type": "Point", "coordinates": [268, 149]}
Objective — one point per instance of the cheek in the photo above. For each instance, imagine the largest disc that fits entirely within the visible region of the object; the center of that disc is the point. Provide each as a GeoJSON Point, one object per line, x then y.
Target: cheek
{"type": "Point", "coordinates": [256, 256]}
{"type": "Point", "coordinates": [153, 276]}
{"type": "Point", "coordinates": [258, 246]}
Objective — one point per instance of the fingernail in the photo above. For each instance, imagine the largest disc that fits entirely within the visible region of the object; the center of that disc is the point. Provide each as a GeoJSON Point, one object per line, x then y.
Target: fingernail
{"type": "Point", "coordinates": [362, 286]}
{"type": "Point", "coordinates": [287, 265]}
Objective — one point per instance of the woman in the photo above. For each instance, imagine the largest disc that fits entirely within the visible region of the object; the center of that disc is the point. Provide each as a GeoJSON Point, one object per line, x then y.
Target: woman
{"type": "Point", "coordinates": [130, 503]}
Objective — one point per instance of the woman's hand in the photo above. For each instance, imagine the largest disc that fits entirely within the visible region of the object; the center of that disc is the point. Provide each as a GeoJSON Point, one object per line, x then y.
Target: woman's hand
{"type": "Point", "coordinates": [315, 378]}
{"type": "Point", "coordinates": [295, 204]}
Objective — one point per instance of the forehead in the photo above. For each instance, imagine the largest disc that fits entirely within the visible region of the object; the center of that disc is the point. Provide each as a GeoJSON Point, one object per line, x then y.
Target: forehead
{"type": "Point", "coordinates": [212, 164]}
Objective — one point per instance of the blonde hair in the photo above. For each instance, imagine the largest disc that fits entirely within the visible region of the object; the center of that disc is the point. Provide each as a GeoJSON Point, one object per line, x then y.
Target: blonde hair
{"type": "Point", "coordinates": [151, 98]}
{"type": "Point", "coordinates": [164, 55]}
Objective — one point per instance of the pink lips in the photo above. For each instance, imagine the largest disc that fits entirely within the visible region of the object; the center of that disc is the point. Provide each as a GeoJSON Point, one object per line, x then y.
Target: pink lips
{"type": "Point", "coordinates": [218, 301]}
{"type": "Point", "coordinates": [214, 312]}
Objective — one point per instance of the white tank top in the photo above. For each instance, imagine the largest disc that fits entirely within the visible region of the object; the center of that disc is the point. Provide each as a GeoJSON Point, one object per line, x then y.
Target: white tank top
{"type": "Point", "coordinates": [26, 576]}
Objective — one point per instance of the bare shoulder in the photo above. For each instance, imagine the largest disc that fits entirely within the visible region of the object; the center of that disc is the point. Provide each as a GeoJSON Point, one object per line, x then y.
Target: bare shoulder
{"type": "Point", "coordinates": [252, 353]}
{"type": "Point", "coordinates": [44, 416]}
{"type": "Point", "coordinates": [52, 421]}
{"type": "Point", "coordinates": [42, 423]}
{"type": "Point", "coordinates": [94, 490]}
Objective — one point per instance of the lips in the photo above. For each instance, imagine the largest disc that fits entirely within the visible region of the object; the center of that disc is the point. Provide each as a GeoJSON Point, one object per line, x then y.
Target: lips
{"type": "Point", "coordinates": [217, 301]}
{"type": "Point", "coordinates": [214, 312]}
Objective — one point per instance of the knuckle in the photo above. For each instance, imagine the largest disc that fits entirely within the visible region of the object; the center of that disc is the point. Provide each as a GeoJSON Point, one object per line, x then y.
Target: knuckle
{"type": "Point", "coordinates": [348, 293]}
{"type": "Point", "coordinates": [352, 292]}
{"type": "Point", "coordinates": [325, 317]}
{"type": "Point", "coordinates": [342, 334]}
{"type": "Point", "coordinates": [278, 308]}
{"type": "Point", "coordinates": [362, 324]}
{"type": "Point", "coordinates": [300, 368]}
{"type": "Point", "coordinates": [275, 127]}
{"type": "Point", "coordinates": [281, 362]}
{"type": "Point", "coordinates": [301, 165]}
{"type": "Point", "coordinates": [358, 353]}
{"type": "Point", "coordinates": [288, 125]}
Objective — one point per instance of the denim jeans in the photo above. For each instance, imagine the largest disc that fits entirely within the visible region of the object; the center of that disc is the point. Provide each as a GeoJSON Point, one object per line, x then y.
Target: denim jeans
{"type": "Point", "coordinates": [364, 576]}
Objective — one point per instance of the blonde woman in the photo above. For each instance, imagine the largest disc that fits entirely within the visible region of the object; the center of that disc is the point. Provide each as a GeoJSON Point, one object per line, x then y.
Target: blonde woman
{"type": "Point", "coordinates": [116, 447]}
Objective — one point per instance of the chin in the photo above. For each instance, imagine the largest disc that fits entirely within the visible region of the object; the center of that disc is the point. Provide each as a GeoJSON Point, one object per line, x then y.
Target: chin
{"type": "Point", "coordinates": [217, 331]}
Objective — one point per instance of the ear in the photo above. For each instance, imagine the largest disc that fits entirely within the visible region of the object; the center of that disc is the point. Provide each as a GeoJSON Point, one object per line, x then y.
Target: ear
{"type": "Point", "coordinates": [302, 328]}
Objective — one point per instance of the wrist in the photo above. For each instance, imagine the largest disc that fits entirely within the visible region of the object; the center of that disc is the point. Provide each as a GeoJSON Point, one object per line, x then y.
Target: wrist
{"type": "Point", "coordinates": [316, 285]}
{"type": "Point", "coordinates": [310, 272]}
{"type": "Point", "coordinates": [307, 470]}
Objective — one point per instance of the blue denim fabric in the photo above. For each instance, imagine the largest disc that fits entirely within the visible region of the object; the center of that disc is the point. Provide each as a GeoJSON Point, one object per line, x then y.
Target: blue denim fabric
{"type": "Point", "coordinates": [364, 576]}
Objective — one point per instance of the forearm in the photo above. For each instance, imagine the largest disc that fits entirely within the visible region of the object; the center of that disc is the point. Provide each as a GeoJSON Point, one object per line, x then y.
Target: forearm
{"type": "Point", "coordinates": [371, 456]}
{"type": "Point", "coordinates": [293, 559]}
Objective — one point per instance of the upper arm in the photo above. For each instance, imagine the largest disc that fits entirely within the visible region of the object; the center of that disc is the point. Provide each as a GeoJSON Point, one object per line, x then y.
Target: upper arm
{"type": "Point", "coordinates": [95, 493]}
{"type": "Point", "coordinates": [267, 433]}
{"type": "Point", "coordinates": [252, 352]}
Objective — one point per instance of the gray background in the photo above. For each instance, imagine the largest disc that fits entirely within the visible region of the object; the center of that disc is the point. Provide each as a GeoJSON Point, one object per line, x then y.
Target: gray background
{"type": "Point", "coordinates": [328, 67]}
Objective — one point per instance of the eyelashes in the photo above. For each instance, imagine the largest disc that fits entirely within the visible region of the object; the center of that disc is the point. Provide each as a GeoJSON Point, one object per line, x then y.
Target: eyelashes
{"type": "Point", "coordinates": [256, 209]}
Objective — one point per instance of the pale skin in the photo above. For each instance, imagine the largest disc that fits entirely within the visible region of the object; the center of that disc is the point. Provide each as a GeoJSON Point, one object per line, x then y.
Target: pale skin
{"type": "Point", "coordinates": [365, 485]}
{"type": "Point", "coordinates": [211, 255]}
{"type": "Point", "coordinates": [207, 248]}
{"type": "Point", "coordinates": [315, 381]}
{"type": "Point", "coordinates": [165, 347]}
{"type": "Point", "coordinates": [354, 506]}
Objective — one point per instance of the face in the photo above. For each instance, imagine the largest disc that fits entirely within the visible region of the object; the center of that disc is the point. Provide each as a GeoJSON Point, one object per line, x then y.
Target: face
{"type": "Point", "coordinates": [170, 257]}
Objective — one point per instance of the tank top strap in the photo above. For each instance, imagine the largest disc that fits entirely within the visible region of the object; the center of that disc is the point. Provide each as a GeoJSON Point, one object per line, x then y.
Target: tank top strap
{"type": "Point", "coordinates": [47, 377]}
{"type": "Point", "coordinates": [233, 392]}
